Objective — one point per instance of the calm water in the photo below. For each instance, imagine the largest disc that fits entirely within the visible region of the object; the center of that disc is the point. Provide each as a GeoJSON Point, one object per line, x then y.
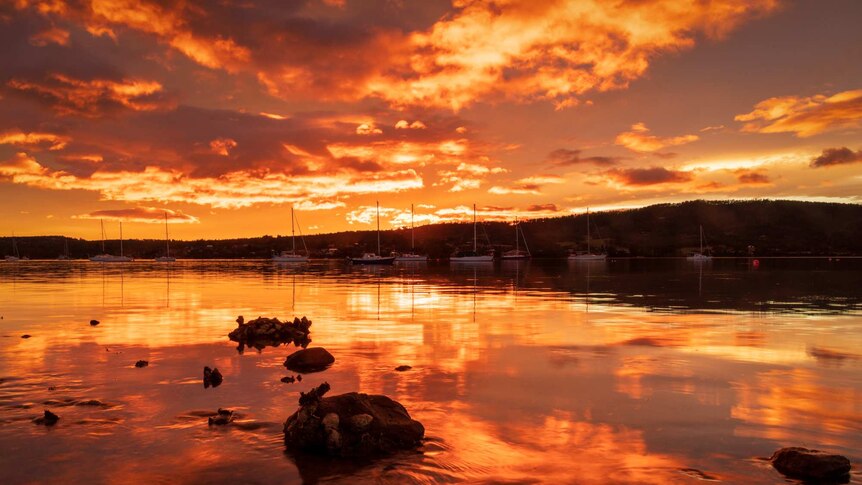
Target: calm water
{"type": "Point", "coordinates": [628, 371]}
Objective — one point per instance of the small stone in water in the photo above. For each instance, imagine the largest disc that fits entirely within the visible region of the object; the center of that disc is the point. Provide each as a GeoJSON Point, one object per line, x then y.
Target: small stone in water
{"type": "Point", "coordinates": [288, 379]}
{"type": "Point", "coordinates": [402, 368]}
{"type": "Point", "coordinates": [26, 335]}
{"type": "Point", "coordinates": [48, 419]}
{"type": "Point", "coordinates": [94, 322]}
{"type": "Point", "coordinates": [142, 363]}
{"type": "Point", "coordinates": [212, 377]}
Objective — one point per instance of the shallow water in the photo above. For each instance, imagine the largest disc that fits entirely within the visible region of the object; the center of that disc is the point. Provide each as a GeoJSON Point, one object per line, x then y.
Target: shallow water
{"type": "Point", "coordinates": [640, 371]}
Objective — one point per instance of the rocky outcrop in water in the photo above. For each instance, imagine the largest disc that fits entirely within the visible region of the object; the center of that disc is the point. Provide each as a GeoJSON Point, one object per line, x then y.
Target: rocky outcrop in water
{"type": "Point", "coordinates": [403, 368]}
{"type": "Point", "coordinates": [813, 465]}
{"type": "Point", "coordinates": [212, 377]}
{"type": "Point", "coordinates": [142, 363]}
{"type": "Point", "coordinates": [94, 322]}
{"type": "Point", "coordinates": [48, 419]}
{"type": "Point", "coordinates": [314, 359]}
{"type": "Point", "coordinates": [271, 332]}
{"type": "Point", "coordinates": [222, 417]}
{"type": "Point", "coordinates": [349, 425]}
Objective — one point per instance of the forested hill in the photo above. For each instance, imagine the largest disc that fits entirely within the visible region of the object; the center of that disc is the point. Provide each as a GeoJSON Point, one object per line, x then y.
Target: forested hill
{"type": "Point", "coordinates": [731, 228]}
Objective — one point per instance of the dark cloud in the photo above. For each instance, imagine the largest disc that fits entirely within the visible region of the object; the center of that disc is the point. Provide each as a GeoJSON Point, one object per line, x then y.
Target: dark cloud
{"type": "Point", "coordinates": [648, 176]}
{"type": "Point", "coordinates": [542, 208]}
{"type": "Point", "coordinates": [564, 157]}
{"type": "Point", "coordinates": [836, 156]}
{"type": "Point", "coordinates": [754, 178]}
{"type": "Point", "coordinates": [150, 215]}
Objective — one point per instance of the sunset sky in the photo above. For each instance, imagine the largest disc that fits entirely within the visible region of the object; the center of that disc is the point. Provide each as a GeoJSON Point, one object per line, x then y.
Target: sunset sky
{"type": "Point", "coordinates": [226, 113]}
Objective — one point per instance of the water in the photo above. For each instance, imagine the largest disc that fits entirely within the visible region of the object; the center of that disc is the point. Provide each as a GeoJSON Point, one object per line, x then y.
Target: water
{"type": "Point", "coordinates": [651, 371]}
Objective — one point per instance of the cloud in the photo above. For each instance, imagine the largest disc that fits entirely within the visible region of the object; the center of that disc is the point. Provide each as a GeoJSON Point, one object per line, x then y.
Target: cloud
{"type": "Point", "coordinates": [752, 177]}
{"type": "Point", "coordinates": [92, 98]}
{"type": "Point", "coordinates": [805, 116]}
{"type": "Point", "coordinates": [543, 208]}
{"type": "Point", "coordinates": [34, 140]}
{"type": "Point", "coordinates": [405, 125]}
{"type": "Point", "coordinates": [836, 156]}
{"type": "Point", "coordinates": [222, 146]}
{"type": "Point", "coordinates": [564, 157]}
{"type": "Point", "coordinates": [51, 35]}
{"type": "Point", "coordinates": [147, 215]}
{"type": "Point", "coordinates": [368, 129]}
{"type": "Point", "coordinates": [232, 190]}
{"type": "Point", "coordinates": [528, 185]}
{"type": "Point", "coordinates": [467, 176]}
{"type": "Point", "coordinates": [648, 176]}
{"type": "Point", "coordinates": [639, 139]}
{"type": "Point", "coordinates": [478, 50]}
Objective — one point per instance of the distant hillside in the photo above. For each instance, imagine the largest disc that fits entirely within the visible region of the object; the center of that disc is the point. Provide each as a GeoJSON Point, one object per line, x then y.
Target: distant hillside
{"type": "Point", "coordinates": [772, 228]}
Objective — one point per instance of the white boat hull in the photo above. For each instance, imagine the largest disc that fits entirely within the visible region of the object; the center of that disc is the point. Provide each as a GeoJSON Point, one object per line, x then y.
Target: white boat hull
{"type": "Point", "coordinates": [165, 259]}
{"type": "Point", "coordinates": [471, 259]}
{"type": "Point", "coordinates": [588, 257]}
{"type": "Point", "coordinates": [378, 260]}
{"type": "Point", "coordinates": [294, 258]}
{"type": "Point", "coordinates": [107, 258]}
{"type": "Point", "coordinates": [699, 257]}
{"type": "Point", "coordinates": [411, 258]}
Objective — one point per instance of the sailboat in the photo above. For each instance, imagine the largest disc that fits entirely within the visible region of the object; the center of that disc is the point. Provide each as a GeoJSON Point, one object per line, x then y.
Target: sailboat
{"type": "Point", "coordinates": [411, 256]}
{"type": "Point", "coordinates": [292, 256]}
{"type": "Point", "coordinates": [15, 256]}
{"type": "Point", "coordinates": [65, 255]}
{"type": "Point", "coordinates": [374, 258]}
{"type": "Point", "coordinates": [518, 253]}
{"type": "Point", "coordinates": [588, 256]}
{"type": "Point", "coordinates": [472, 256]}
{"type": "Point", "coordinates": [110, 258]}
{"type": "Point", "coordinates": [699, 256]}
{"type": "Point", "coordinates": [167, 258]}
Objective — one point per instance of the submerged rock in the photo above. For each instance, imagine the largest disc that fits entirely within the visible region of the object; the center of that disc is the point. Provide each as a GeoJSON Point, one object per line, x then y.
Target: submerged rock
{"type": "Point", "coordinates": [212, 377]}
{"type": "Point", "coordinates": [222, 417]}
{"type": "Point", "coordinates": [402, 368]}
{"type": "Point", "coordinates": [48, 419]}
{"type": "Point", "coordinates": [142, 363]}
{"type": "Point", "coordinates": [288, 379]}
{"type": "Point", "coordinates": [25, 335]}
{"type": "Point", "coordinates": [808, 464]}
{"type": "Point", "coordinates": [262, 332]}
{"type": "Point", "coordinates": [351, 424]}
{"type": "Point", "coordinates": [314, 359]}
{"type": "Point", "coordinates": [94, 322]}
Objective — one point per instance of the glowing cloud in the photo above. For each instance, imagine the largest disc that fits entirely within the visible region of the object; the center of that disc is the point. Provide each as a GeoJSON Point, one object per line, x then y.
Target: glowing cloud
{"type": "Point", "coordinates": [639, 177]}
{"type": "Point", "coordinates": [34, 140]}
{"type": "Point", "coordinates": [805, 116]}
{"type": "Point", "coordinates": [639, 139]}
{"type": "Point", "coordinates": [231, 190]}
{"type": "Point", "coordinates": [91, 98]}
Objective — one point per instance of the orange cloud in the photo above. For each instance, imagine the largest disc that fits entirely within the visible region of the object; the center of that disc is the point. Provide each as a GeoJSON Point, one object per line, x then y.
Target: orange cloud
{"type": "Point", "coordinates": [51, 35]}
{"type": "Point", "coordinates": [222, 146]}
{"type": "Point", "coordinates": [751, 177]}
{"type": "Point", "coordinates": [467, 176]}
{"type": "Point", "coordinates": [522, 49]}
{"type": "Point", "coordinates": [147, 215]}
{"type": "Point", "coordinates": [397, 217]}
{"type": "Point", "coordinates": [34, 139]}
{"type": "Point", "coordinates": [231, 190]}
{"type": "Point", "coordinates": [91, 98]}
{"type": "Point", "coordinates": [639, 139]}
{"type": "Point", "coordinates": [564, 157]}
{"type": "Point", "coordinates": [805, 116]}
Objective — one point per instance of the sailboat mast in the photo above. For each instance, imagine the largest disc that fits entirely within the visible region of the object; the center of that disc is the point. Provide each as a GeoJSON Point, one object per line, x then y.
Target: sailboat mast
{"type": "Point", "coordinates": [412, 230]}
{"type": "Point", "coordinates": [167, 240]}
{"type": "Point", "coordinates": [102, 223]}
{"type": "Point", "coordinates": [292, 232]}
{"type": "Point", "coordinates": [121, 238]}
{"type": "Point", "coordinates": [517, 239]}
{"type": "Point", "coordinates": [589, 251]}
{"type": "Point", "coordinates": [701, 239]}
{"type": "Point", "coordinates": [378, 228]}
{"type": "Point", "coordinates": [474, 228]}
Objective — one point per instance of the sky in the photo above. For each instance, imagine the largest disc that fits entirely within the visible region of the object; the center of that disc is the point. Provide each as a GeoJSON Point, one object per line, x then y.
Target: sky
{"type": "Point", "coordinates": [225, 114]}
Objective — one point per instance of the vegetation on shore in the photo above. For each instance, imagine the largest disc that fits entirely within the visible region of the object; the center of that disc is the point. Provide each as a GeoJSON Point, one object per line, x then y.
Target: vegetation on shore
{"type": "Point", "coordinates": [731, 228]}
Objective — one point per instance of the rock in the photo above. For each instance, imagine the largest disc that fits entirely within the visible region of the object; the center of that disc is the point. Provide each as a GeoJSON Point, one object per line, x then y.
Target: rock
{"type": "Point", "coordinates": [288, 379]}
{"type": "Point", "coordinates": [222, 417]}
{"type": "Point", "coordinates": [314, 359]}
{"type": "Point", "coordinates": [299, 377]}
{"type": "Point", "coordinates": [351, 424]}
{"type": "Point", "coordinates": [48, 419]}
{"type": "Point", "coordinates": [94, 322]}
{"type": "Point", "coordinates": [808, 464]}
{"type": "Point", "coordinates": [360, 421]}
{"type": "Point", "coordinates": [142, 363]}
{"type": "Point", "coordinates": [26, 335]}
{"type": "Point", "coordinates": [402, 368]}
{"type": "Point", "coordinates": [212, 377]}
{"type": "Point", "coordinates": [262, 332]}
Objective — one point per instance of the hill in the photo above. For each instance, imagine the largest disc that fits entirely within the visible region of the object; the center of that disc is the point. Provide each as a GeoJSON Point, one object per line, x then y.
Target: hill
{"type": "Point", "coordinates": [731, 228]}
